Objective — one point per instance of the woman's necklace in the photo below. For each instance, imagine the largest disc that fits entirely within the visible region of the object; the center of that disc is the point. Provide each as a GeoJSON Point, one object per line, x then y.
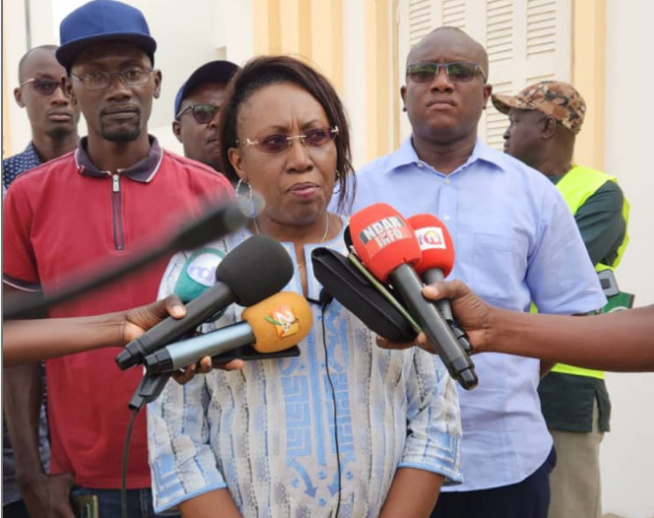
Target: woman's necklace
{"type": "Point", "coordinates": [324, 236]}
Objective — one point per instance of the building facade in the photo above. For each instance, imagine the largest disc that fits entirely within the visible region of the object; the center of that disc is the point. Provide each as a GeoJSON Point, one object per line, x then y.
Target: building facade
{"type": "Point", "coordinates": [361, 45]}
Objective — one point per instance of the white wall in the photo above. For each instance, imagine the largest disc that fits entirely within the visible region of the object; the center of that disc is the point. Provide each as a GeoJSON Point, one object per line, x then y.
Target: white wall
{"type": "Point", "coordinates": [628, 451]}
{"type": "Point", "coordinates": [354, 77]}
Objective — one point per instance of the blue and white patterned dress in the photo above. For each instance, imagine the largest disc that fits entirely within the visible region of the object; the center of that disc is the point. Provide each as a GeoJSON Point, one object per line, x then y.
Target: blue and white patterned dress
{"type": "Point", "coordinates": [267, 432]}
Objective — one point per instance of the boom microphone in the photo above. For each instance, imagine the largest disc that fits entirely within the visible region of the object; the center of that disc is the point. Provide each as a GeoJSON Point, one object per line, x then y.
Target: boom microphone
{"type": "Point", "coordinates": [272, 325]}
{"type": "Point", "coordinates": [219, 220]}
{"type": "Point", "coordinates": [388, 247]}
{"type": "Point", "coordinates": [254, 270]}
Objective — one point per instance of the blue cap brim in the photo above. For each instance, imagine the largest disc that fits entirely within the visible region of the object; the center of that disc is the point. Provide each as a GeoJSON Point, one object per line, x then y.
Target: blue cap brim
{"type": "Point", "coordinates": [67, 53]}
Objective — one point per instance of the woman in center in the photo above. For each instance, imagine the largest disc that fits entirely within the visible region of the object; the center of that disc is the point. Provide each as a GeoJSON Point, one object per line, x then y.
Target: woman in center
{"type": "Point", "coordinates": [345, 429]}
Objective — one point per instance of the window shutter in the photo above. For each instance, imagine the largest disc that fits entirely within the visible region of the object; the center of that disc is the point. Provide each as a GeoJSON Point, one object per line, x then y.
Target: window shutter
{"type": "Point", "coordinates": [420, 20]}
{"type": "Point", "coordinates": [453, 13]}
{"type": "Point", "coordinates": [527, 41]}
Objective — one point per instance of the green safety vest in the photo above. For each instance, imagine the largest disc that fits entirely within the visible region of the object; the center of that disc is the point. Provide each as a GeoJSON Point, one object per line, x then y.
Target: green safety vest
{"type": "Point", "coordinates": [579, 184]}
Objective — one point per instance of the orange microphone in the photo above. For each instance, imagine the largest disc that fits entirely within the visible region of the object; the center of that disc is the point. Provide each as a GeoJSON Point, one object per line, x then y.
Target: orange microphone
{"type": "Point", "coordinates": [274, 324]}
{"type": "Point", "coordinates": [390, 250]}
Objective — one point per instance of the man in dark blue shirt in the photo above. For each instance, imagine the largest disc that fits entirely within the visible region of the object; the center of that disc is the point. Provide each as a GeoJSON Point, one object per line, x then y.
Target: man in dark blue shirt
{"type": "Point", "coordinates": [53, 118]}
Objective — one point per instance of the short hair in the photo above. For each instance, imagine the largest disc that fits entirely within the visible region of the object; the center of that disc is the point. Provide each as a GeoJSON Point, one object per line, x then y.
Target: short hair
{"type": "Point", "coordinates": [263, 71]}
{"type": "Point", "coordinates": [21, 63]}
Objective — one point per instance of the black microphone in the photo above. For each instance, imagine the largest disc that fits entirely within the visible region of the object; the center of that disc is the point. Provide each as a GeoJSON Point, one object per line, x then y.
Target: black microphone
{"type": "Point", "coordinates": [324, 297]}
{"type": "Point", "coordinates": [254, 270]}
{"type": "Point", "coordinates": [216, 222]}
{"type": "Point", "coordinates": [274, 324]}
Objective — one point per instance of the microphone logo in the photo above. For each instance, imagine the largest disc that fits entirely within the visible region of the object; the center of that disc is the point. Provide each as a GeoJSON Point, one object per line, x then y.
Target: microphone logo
{"type": "Point", "coordinates": [202, 267]}
{"type": "Point", "coordinates": [430, 238]}
{"type": "Point", "coordinates": [382, 233]}
{"type": "Point", "coordinates": [285, 321]}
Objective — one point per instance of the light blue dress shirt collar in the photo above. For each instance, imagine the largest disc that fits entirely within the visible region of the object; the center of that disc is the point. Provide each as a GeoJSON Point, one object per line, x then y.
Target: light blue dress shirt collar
{"type": "Point", "coordinates": [406, 155]}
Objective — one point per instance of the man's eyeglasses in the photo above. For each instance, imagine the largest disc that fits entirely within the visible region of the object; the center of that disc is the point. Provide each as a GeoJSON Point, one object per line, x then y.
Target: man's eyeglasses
{"type": "Point", "coordinates": [280, 142]}
{"type": "Point", "coordinates": [202, 113]}
{"type": "Point", "coordinates": [100, 79]}
{"type": "Point", "coordinates": [458, 72]}
{"type": "Point", "coordinates": [43, 86]}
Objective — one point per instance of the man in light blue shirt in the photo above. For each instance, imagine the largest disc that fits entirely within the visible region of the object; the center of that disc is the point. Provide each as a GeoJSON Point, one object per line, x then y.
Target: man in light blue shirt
{"type": "Point", "coordinates": [515, 242]}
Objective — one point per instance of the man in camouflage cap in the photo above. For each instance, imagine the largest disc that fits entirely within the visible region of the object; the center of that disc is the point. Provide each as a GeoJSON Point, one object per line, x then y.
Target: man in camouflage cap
{"type": "Point", "coordinates": [544, 120]}
{"type": "Point", "coordinates": [553, 98]}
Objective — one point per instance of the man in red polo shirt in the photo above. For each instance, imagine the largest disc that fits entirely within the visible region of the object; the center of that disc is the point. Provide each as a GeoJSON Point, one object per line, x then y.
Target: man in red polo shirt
{"type": "Point", "coordinates": [98, 203]}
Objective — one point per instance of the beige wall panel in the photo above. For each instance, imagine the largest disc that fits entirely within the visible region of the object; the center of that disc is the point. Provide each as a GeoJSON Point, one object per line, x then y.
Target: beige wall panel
{"type": "Point", "coordinates": [588, 76]}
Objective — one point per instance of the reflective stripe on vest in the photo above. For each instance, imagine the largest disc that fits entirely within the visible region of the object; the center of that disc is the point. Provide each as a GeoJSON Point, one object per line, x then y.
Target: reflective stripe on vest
{"type": "Point", "coordinates": [579, 184]}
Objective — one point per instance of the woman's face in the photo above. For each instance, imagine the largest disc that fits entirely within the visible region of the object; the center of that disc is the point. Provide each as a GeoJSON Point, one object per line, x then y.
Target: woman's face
{"type": "Point", "coordinates": [297, 181]}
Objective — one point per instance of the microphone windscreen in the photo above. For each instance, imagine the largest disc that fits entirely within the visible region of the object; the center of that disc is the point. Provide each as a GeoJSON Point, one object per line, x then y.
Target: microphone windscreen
{"type": "Point", "coordinates": [198, 273]}
{"type": "Point", "coordinates": [279, 322]}
{"type": "Point", "coordinates": [435, 242]}
{"type": "Point", "coordinates": [383, 239]}
{"type": "Point", "coordinates": [255, 269]}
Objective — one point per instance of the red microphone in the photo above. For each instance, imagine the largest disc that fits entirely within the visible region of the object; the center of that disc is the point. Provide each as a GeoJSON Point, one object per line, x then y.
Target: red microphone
{"type": "Point", "coordinates": [383, 240]}
{"type": "Point", "coordinates": [437, 262]}
{"type": "Point", "coordinates": [437, 248]}
{"type": "Point", "coordinates": [388, 247]}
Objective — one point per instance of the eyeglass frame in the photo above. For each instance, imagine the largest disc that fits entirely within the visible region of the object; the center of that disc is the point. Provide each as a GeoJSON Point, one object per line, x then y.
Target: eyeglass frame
{"type": "Point", "coordinates": [333, 132]}
{"type": "Point", "coordinates": [33, 80]}
{"type": "Point", "coordinates": [146, 72]}
{"type": "Point", "coordinates": [477, 66]}
{"type": "Point", "coordinates": [191, 106]}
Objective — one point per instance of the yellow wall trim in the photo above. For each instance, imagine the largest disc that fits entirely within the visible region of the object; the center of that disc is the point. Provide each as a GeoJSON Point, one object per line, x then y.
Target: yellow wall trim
{"type": "Point", "coordinates": [306, 29]}
{"type": "Point", "coordinates": [589, 77]}
{"type": "Point", "coordinates": [378, 78]}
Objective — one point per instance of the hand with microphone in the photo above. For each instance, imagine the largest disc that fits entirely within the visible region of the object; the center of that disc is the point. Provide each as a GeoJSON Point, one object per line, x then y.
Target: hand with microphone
{"type": "Point", "coordinates": [436, 263]}
{"type": "Point", "coordinates": [254, 270]}
{"type": "Point", "coordinates": [274, 324]}
{"type": "Point", "coordinates": [388, 247]}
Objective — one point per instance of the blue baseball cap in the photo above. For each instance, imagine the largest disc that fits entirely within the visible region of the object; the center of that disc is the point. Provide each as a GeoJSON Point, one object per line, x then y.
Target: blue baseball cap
{"type": "Point", "coordinates": [213, 72]}
{"type": "Point", "coordinates": [99, 21]}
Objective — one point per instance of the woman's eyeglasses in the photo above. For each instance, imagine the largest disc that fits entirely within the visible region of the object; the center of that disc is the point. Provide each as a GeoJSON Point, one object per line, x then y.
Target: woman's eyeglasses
{"type": "Point", "coordinates": [280, 142]}
{"type": "Point", "coordinates": [43, 86]}
{"type": "Point", "coordinates": [458, 72]}
{"type": "Point", "coordinates": [202, 113]}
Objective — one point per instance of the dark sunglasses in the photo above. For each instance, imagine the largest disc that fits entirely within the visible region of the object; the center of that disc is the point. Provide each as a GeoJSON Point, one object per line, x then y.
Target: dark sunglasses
{"type": "Point", "coordinates": [458, 72]}
{"type": "Point", "coordinates": [202, 113]}
{"type": "Point", "coordinates": [43, 86]}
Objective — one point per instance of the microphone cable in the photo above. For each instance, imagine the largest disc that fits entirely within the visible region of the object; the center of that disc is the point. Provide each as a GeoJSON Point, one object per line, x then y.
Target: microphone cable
{"type": "Point", "coordinates": [324, 300]}
{"type": "Point", "coordinates": [148, 390]}
{"type": "Point", "coordinates": [123, 480]}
